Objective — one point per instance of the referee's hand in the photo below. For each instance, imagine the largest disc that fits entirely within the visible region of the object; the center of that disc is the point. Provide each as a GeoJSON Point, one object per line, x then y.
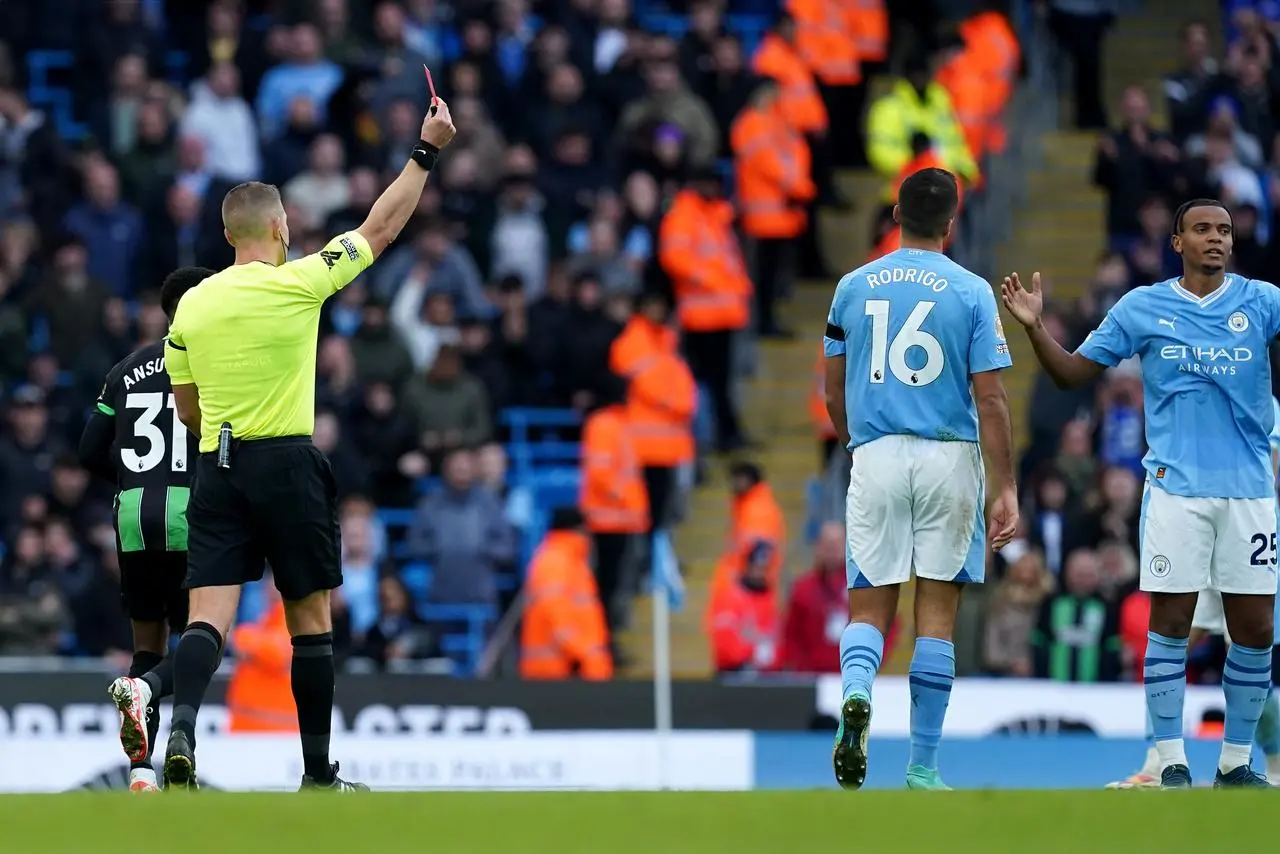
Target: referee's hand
{"type": "Point", "coordinates": [437, 127]}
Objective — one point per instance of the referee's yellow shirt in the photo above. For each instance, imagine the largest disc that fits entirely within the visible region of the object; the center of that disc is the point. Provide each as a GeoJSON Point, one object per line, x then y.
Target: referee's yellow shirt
{"type": "Point", "coordinates": [247, 338]}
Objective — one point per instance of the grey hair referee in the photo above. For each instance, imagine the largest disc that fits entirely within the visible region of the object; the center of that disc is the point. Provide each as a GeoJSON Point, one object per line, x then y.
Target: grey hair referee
{"type": "Point", "coordinates": [241, 354]}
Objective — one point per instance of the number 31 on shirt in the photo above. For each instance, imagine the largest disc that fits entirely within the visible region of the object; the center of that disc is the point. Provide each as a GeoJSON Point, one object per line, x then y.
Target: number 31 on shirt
{"type": "Point", "coordinates": [145, 428]}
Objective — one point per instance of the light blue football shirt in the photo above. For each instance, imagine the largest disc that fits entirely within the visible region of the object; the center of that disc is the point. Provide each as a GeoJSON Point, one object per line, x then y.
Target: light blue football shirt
{"type": "Point", "coordinates": [1206, 380]}
{"type": "Point", "coordinates": [913, 326]}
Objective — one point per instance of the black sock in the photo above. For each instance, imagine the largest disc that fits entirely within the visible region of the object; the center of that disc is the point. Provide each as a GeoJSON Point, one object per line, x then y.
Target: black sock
{"type": "Point", "coordinates": [312, 676]}
{"type": "Point", "coordinates": [194, 663]}
{"type": "Point", "coordinates": [142, 663]}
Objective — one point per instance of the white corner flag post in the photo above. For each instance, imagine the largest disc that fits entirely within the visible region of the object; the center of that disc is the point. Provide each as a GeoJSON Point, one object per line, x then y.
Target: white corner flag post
{"type": "Point", "coordinates": [668, 595]}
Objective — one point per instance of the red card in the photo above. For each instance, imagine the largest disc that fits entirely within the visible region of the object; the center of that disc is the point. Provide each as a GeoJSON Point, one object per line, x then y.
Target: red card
{"type": "Point", "coordinates": [431, 84]}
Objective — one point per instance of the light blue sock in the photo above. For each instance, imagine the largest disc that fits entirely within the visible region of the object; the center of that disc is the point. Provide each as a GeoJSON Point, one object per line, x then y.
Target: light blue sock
{"type": "Point", "coordinates": [1268, 734]}
{"type": "Point", "coordinates": [933, 669]}
{"type": "Point", "coordinates": [1164, 673]}
{"type": "Point", "coordinates": [1246, 682]}
{"type": "Point", "coordinates": [861, 647]}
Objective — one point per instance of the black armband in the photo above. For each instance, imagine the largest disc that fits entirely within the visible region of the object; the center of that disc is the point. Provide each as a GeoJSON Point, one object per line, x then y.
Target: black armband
{"type": "Point", "coordinates": [425, 155]}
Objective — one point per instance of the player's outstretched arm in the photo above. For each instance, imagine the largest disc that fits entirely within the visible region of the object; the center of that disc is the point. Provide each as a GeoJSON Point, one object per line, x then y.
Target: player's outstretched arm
{"type": "Point", "coordinates": [1067, 370]}
{"type": "Point", "coordinates": [397, 203]}
{"type": "Point", "coordinates": [996, 434]}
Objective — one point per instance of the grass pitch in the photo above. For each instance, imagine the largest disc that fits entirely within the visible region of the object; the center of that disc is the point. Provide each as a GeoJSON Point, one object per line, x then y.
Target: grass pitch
{"type": "Point", "coordinates": [640, 823]}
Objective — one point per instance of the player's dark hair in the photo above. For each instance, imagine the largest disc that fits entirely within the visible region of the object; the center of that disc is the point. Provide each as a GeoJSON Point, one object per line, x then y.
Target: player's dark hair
{"type": "Point", "coordinates": [927, 202]}
{"type": "Point", "coordinates": [177, 283]}
{"type": "Point", "coordinates": [747, 471]}
{"type": "Point", "coordinates": [1181, 213]}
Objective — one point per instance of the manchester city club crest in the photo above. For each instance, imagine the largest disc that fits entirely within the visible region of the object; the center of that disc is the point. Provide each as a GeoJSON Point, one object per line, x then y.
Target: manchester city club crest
{"type": "Point", "coordinates": [1160, 566]}
{"type": "Point", "coordinates": [1238, 322]}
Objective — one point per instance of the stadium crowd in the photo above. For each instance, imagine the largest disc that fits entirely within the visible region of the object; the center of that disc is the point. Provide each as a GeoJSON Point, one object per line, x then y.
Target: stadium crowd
{"type": "Point", "coordinates": [549, 263]}
{"type": "Point", "coordinates": [1068, 607]}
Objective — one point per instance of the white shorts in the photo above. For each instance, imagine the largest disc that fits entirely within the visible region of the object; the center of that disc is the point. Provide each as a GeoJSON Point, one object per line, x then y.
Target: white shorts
{"type": "Point", "coordinates": [1193, 544]}
{"type": "Point", "coordinates": [915, 506]}
{"type": "Point", "coordinates": [1209, 616]}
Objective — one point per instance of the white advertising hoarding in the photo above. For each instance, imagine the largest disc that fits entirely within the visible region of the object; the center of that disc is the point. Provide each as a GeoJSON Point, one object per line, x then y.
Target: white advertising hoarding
{"type": "Point", "coordinates": [605, 761]}
{"type": "Point", "coordinates": [990, 706]}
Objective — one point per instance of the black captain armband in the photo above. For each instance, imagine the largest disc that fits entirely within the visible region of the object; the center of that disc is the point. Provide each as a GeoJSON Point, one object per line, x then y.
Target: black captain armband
{"type": "Point", "coordinates": [425, 155]}
{"type": "Point", "coordinates": [835, 333]}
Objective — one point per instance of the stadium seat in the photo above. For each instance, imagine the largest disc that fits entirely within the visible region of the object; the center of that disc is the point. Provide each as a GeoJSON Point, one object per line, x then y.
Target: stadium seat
{"type": "Point", "coordinates": [416, 577]}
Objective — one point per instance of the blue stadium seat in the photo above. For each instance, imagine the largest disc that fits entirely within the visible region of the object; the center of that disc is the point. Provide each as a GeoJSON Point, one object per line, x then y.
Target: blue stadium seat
{"type": "Point", "coordinates": [417, 580]}
{"type": "Point", "coordinates": [55, 99]}
{"type": "Point", "coordinates": [463, 647]}
{"type": "Point", "coordinates": [535, 441]}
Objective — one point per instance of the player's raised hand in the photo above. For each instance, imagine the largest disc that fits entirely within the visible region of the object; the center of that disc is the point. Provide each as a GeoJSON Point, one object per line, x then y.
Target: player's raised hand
{"type": "Point", "coordinates": [1025, 305]}
{"type": "Point", "coordinates": [437, 127]}
{"type": "Point", "coordinates": [1002, 518]}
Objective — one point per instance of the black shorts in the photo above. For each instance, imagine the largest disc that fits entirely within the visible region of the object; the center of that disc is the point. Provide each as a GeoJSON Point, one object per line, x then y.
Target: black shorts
{"type": "Point", "coordinates": [276, 503]}
{"type": "Point", "coordinates": [151, 587]}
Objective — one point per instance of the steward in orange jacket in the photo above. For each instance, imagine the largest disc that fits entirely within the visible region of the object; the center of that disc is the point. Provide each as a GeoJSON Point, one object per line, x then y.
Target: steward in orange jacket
{"type": "Point", "coordinates": [745, 629]}
{"type": "Point", "coordinates": [662, 399]}
{"type": "Point", "coordinates": [773, 169]}
{"type": "Point", "coordinates": [613, 496]}
{"type": "Point", "coordinates": [823, 41]}
{"type": "Point", "coordinates": [699, 251]}
{"type": "Point", "coordinates": [563, 634]}
{"type": "Point", "coordinates": [661, 394]}
{"type": "Point", "coordinates": [260, 694]}
{"type": "Point", "coordinates": [868, 27]}
{"type": "Point", "coordinates": [759, 532]}
{"type": "Point", "coordinates": [777, 59]}
{"type": "Point", "coordinates": [980, 77]}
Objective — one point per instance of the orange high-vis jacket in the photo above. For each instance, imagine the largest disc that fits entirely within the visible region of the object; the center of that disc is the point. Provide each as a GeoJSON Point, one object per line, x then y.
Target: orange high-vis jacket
{"type": "Point", "coordinates": [699, 251]}
{"type": "Point", "coordinates": [823, 41]}
{"type": "Point", "coordinates": [612, 496]}
{"type": "Point", "coordinates": [818, 399]}
{"type": "Point", "coordinates": [992, 50]}
{"type": "Point", "coordinates": [869, 28]}
{"type": "Point", "coordinates": [773, 166]}
{"type": "Point", "coordinates": [563, 633]}
{"type": "Point", "coordinates": [745, 629]}
{"type": "Point", "coordinates": [972, 100]}
{"type": "Point", "coordinates": [259, 695]}
{"type": "Point", "coordinates": [802, 106]}
{"type": "Point", "coordinates": [662, 396]}
{"type": "Point", "coordinates": [756, 519]}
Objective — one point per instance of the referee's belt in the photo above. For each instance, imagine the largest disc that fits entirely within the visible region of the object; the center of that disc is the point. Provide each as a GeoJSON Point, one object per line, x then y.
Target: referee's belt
{"type": "Point", "coordinates": [238, 445]}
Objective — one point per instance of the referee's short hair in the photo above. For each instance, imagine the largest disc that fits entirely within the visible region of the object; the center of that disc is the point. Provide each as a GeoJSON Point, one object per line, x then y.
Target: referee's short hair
{"type": "Point", "coordinates": [927, 203]}
{"type": "Point", "coordinates": [248, 208]}
{"type": "Point", "coordinates": [178, 283]}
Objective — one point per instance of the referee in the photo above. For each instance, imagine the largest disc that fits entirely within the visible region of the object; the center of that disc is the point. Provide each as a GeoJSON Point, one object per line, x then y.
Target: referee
{"type": "Point", "coordinates": [241, 354]}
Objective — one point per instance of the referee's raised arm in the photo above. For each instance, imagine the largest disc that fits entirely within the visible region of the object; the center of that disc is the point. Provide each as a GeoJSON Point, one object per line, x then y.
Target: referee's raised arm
{"type": "Point", "coordinates": [398, 202]}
